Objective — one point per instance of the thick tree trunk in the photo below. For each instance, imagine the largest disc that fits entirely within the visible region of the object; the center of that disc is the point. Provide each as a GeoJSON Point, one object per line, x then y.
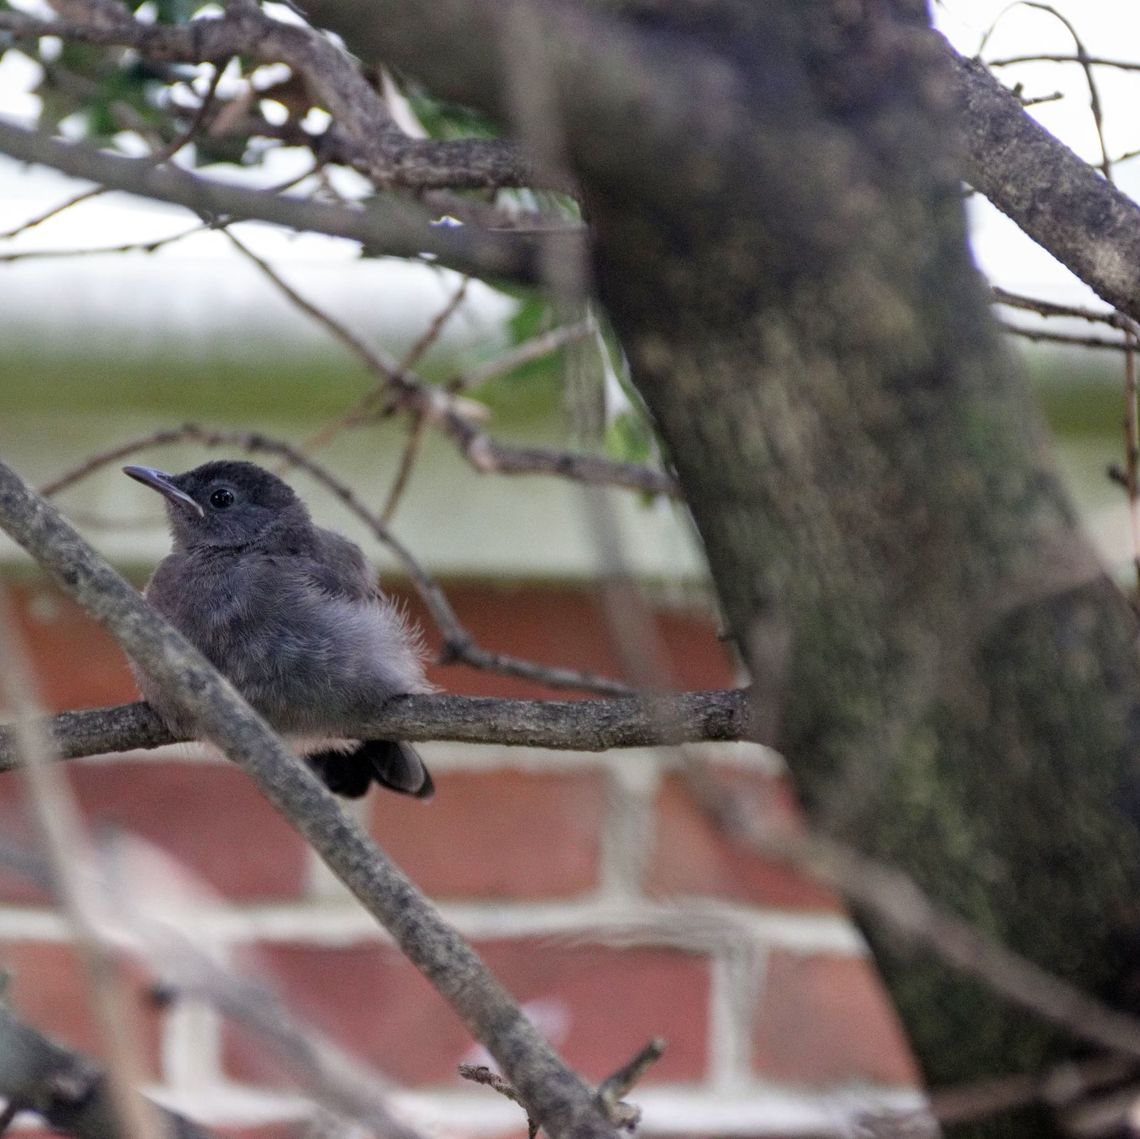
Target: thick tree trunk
{"type": "Point", "coordinates": [866, 467]}
{"type": "Point", "coordinates": [780, 244]}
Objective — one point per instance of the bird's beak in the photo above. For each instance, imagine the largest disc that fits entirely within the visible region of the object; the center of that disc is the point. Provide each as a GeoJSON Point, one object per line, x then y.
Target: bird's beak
{"type": "Point", "coordinates": [164, 484]}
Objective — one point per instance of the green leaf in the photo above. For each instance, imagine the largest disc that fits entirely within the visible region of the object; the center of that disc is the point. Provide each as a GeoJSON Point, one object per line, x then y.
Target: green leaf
{"type": "Point", "coordinates": [630, 438]}
{"type": "Point", "coordinates": [442, 119]}
{"type": "Point", "coordinates": [172, 11]}
{"type": "Point", "coordinates": [532, 316]}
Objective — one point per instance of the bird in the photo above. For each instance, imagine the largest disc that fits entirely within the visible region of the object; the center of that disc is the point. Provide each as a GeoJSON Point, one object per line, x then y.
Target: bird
{"type": "Point", "coordinates": [291, 614]}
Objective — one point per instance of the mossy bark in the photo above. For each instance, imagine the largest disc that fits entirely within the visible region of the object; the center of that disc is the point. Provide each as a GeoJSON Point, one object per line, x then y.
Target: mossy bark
{"type": "Point", "coordinates": [869, 473]}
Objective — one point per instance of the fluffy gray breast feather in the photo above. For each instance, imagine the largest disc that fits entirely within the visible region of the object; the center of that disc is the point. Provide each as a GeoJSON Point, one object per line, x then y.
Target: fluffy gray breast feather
{"type": "Point", "coordinates": [304, 634]}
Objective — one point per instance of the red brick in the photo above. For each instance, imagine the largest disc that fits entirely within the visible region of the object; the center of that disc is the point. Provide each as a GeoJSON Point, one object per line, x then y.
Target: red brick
{"type": "Point", "coordinates": [48, 989]}
{"type": "Point", "coordinates": [208, 816]}
{"type": "Point", "coordinates": [824, 1019]}
{"type": "Point", "coordinates": [77, 664]}
{"type": "Point", "coordinates": [604, 1004]}
{"type": "Point", "coordinates": [691, 856]}
{"type": "Point", "coordinates": [19, 848]}
{"type": "Point", "coordinates": [286, 1129]}
{"type": "Point", "coordinates": [498, 834]}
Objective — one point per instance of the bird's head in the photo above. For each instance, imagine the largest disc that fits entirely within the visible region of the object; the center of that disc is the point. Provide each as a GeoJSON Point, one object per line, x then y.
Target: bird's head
{"type": "Point", "coordinates": [224, 503]}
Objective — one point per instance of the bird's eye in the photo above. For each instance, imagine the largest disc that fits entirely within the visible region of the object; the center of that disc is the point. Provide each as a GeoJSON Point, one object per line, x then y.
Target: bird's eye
{"type": "Point", "coordinates": [221, 498]}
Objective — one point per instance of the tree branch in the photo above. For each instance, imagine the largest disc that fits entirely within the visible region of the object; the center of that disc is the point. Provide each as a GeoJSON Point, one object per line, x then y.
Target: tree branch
{"type": "Point", "coordinates": [364, 135]}
{"type": "Point", "coordinates": [564, 725]}
{"type": "Point", "coordinates": [553, 1093]}
{"type": "Point", "coordinates": [629, 103]}
{"type": "Point", "coordinates": [1056, 197]}
{"type": "Point", "coordinates": [388, 226]}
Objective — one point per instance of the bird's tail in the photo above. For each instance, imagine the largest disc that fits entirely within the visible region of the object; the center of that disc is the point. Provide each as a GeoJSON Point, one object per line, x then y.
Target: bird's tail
{"type": "Point", "coordinates": [390, 763]}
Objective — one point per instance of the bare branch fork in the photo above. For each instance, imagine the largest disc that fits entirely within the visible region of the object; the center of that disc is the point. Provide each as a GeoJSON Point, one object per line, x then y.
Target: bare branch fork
{"type": "Point", "coordinates": [554, 1095]}
{"type": "Point", "coordinates": [365, 136]}
{"type": "Point", "coordinates": [609, 1093]}
{"type": "Point", "coordinates": [433, 404]}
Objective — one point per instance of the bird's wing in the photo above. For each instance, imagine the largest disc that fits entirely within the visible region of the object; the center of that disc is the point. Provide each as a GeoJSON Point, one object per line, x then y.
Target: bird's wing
{"type": "Point", "coordinates": [340, 569]}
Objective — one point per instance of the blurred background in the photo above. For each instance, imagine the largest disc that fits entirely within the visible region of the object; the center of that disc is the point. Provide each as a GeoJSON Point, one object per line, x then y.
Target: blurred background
{"type": "Point", "coordinates": [578, 875]}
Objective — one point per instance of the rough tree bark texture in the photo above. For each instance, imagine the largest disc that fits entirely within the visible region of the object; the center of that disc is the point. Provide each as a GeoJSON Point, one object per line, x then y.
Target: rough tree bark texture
{"type": "Point", "coordinates": [780, 243]}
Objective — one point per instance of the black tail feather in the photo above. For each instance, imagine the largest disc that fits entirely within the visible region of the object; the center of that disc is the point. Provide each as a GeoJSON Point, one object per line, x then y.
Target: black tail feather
{"type": "Point", "coordinates": [392, 764]}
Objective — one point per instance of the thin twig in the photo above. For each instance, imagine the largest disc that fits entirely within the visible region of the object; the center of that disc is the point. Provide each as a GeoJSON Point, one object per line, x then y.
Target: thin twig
{"type": "Point", "coordinates": [391, 373]}
{"type": "Point", "coordinates": [536, 348]}
{"type": "Point", "coordinates": [488, 456]}
{"type": "Point", "coordinates": [1085, 61]}
{"type": "Point", "coordinates": [419, 422]}
{"type": "Point", "coordinates": [609, 1093]}
{"type": "Point", "coordinates": [163, 154]}
{"type": "Point", "coordinates": [614, 1088]}
{"type": "Point", "coordinates": [374, 359]}
{"type": "Point", "coordinates": [167, 152]}
{"type": "Point", "coordinates": [1037, 100]}
{"type": "Point", "coordinates": [1111, 317]}
{"type": "Point", "coordinates": [408, 455]}
{"type": "Point", "coordinates": [55, 211]}
{"type": "Point", "coordinates": [439, 406]}
{"type": "Point", "coordinates": [619, 1084]}
{"type": "Point", "coordinates": [1040, 335]}
{"type": "Point", "coordinates": [431, 333]}
{"type": "Point", "coordinates": [1065, 57]}
{"type": "Point", "coordinates": [481, 1074]}
{"type": "Point", "coordinates": [100, 251]}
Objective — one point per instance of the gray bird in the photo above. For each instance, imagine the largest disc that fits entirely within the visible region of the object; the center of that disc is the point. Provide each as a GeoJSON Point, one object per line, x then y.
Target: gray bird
{"type": "Point", "coordinates": [291, 615]}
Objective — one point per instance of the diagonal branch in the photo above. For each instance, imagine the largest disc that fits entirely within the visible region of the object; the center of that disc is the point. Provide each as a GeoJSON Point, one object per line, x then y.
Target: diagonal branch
{"type": "Point", "coordinates": [385, 226]}
{"type": "Point", "coordinates": [553, 1093]}
{"type": "Point", "coordinates": [1054, 196]}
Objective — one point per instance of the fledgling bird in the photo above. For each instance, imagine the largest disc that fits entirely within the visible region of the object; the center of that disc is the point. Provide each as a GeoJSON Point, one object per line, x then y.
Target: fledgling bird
{"type": "Point", "coordinates": [291, 614]}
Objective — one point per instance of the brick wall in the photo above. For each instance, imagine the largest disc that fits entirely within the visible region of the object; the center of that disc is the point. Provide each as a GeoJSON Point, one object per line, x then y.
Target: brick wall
{"type": "Point", "coordinates": [589, 883]}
